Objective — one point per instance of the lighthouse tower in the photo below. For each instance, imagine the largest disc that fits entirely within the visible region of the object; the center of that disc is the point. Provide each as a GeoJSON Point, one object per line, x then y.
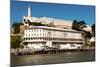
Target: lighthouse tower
{"type": "Point", "coordinates": [29, 11]}
{"type": "Point", "coordinates": [27, 18]}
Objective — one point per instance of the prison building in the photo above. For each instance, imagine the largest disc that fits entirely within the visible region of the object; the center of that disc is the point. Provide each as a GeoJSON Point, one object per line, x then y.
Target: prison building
{"type": "Point", "coordinates": [40, 37]}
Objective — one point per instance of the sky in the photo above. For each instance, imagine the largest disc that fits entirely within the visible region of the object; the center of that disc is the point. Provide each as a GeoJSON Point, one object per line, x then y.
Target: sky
{"type": "Point", "coordinates": [53, 10]}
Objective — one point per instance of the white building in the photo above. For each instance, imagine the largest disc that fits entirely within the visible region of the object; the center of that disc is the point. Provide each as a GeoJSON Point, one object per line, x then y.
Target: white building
{"type": "Point", "coordinates": [39, 36]}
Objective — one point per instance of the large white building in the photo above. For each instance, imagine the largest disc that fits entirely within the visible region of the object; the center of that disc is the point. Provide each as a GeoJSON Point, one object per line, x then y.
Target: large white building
{"type": "Point", "coordinates": [38, 37]}
{"type": "Point", "coordinates": [41, 37]}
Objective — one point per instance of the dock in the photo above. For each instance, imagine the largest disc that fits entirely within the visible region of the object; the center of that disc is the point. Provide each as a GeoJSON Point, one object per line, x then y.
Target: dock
{"type": "Point", "coordinates": [54, 51]}
{"type": "Point", "coordinates": [51, 51]}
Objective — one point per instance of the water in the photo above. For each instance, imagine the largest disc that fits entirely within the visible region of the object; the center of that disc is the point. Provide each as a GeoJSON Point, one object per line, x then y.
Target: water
{"type": "Point", "coordinates": [52, 58]}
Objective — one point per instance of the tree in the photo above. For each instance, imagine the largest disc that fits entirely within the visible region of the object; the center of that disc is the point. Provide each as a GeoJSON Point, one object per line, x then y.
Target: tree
{"type": "Point", "coordinates": [36, 24]}
{"type": "Point", "coordinates": [78, 25]}
{"type": "Point", "coordinates": [15, 41]}
{"type": "Point", "coordinates": [75, 25]}
{"type": "Point", "coordinates": [88, 35]}
{"type": "Point", "coordinates": [93, 29]}
{"type": "Point", "coordinates": [81, 25]}
{"type": "Point", "coordinates": [16, 27]}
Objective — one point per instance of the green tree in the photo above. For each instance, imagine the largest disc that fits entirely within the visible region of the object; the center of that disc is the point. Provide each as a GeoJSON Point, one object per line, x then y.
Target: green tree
{"type": "Point", "coordinates": [15, 41]}
{"type": "Point", "coordinates": [16, 27]}
{"type": "Point", "coordinates": [78, 25]}
{"type": "Point", "coordinates": [81, 25]}
{"type": "Point", "coordinates": [93, 29]}
{"type": "Point", "coordinates": [75, 25]}
{"type": "Point", "coordinates": [36, 24]}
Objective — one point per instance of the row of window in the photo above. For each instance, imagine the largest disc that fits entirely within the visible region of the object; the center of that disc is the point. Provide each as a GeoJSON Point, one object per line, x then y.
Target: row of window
{"type": "Point", "coordinates": [44, 30]}
{"type": "Point", "coordinates": [49, 35]}
{"type": "Point", "coordinates": [33, 34]}
{"type": "Point", "coordinates": [62, 39]}
{"type": "Point", "coordinates": [36, 30]}
{"type": "Point", "coordinates": [39, 34]}
{"type": "Point", "coordinates": [33, 30]}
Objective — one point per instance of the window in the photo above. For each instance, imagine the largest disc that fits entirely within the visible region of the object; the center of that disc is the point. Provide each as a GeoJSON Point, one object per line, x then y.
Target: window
{"type": "Point", "coordinates": [24, 20]}
{"type": "Point", "coordinates": [34, 30]}
{"type": "Point", "coordinates": [34, 34]}
{"type": "Point", "coordinates": [28, 38]}
{"type": "Point", "coordinates": [25, 30]}
{"type": "Point", "coordinates": [43, 30]}
{"type": "Point", "coordinates": [26, 34]}
{"type": "Point", "coordinates": [43, 35]}
{"type": "Point", "coordinates": [49, 33]}
{"type": "Point", "coordinates": [37, 30]}
{"type": "Point", "coordinates": [40, 30]}
{"type": "Point", "coordinates": [31, 38]}
{"type": "Point", "coordinates": [65, 34]}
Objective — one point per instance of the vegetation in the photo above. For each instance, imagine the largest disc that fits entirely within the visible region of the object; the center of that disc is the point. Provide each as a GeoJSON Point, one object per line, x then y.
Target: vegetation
{"type": "Point", "coordinates": [93, 29]}
{"type": "Point", "coordinates": [87, 34]}
{"type": "Point", "coordinates": [92, 44]}
{"type": "Point", "coordinates": [15, 41]}
{"type": "Point", "coordinates": [36, 24]}
{"type": "Point", "coordinates": [16, 27]}
{"type": "Point", "coordinates": [78, 25]}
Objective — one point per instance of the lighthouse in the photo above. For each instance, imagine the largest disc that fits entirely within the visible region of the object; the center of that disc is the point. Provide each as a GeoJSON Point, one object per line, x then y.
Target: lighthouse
{"type": "Point", "coordinates": [27, 19]}
{"type": "Point", "coordinates": [29, 11]}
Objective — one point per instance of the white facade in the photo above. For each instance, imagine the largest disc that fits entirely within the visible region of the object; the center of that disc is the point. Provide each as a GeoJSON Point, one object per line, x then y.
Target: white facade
{"type": "Point", "coordinates": [40, 36]}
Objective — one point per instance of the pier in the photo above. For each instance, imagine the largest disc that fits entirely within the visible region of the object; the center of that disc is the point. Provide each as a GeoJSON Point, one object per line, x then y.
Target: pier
{"type": "Point", "coordinates": [52, 51]}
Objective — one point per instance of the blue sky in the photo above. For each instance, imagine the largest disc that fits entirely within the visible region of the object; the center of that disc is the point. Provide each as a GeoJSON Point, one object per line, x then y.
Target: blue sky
{"type": "Point", "coordinates": [58, 11]}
